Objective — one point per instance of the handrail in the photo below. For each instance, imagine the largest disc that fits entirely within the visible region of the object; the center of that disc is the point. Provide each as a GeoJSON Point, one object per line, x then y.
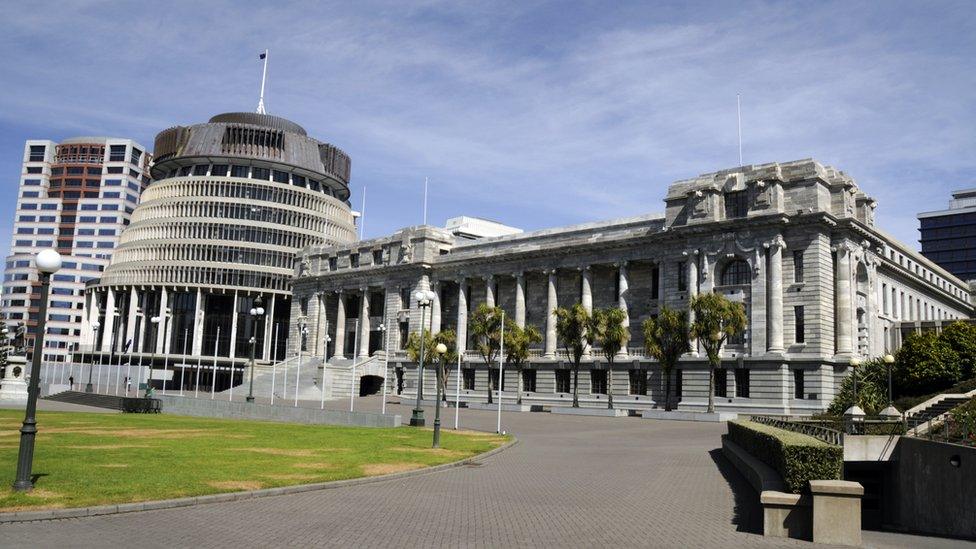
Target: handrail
{"type": "Point", "coordinates": [830, 436]}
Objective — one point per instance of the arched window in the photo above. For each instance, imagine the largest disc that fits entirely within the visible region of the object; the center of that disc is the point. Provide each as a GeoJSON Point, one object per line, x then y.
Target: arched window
{"type": "Point", "coordinates": [736, 272]}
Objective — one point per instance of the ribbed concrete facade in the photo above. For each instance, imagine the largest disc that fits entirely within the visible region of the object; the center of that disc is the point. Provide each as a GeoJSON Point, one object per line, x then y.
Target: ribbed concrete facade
{"type": "Point", "coordinates": [794, 242]}
{"type": "Point", "coordinates": [231, 202]}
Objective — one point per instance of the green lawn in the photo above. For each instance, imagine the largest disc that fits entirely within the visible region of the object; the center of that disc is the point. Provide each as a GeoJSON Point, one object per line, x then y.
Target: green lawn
{"type": "Point", "coordinates": [93, 459]}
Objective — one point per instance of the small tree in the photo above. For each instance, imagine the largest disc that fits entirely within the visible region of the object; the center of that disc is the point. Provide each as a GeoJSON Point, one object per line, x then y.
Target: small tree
{"type": "Point", "coordinates": [716, 320]}
{"type": "Point", "coordinates": [609, 331]}
{"type": "Point", "coordinates": [486, 324]}
{"type": "Point", "coordinates": [872, 389]}
{"type": "Point", "coordinates": [666, 339]}
{"type": "Point", "coordinates": [961, 336]}
{"type": "Point", "coordinates": [573, 329]}
{"type": "Point", "coordinates": [517, 343]}
{"type": "Point", "coordinates": [925, 363]}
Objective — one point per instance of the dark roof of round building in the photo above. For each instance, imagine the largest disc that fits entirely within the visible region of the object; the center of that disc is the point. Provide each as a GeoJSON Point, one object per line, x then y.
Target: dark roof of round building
{"type": "Point", "coordinates": [265, 120]}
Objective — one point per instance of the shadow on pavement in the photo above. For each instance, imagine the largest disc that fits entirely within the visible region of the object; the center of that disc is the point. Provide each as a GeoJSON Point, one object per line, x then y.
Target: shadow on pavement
{"type": "Point", "coordinates": [747, 514]}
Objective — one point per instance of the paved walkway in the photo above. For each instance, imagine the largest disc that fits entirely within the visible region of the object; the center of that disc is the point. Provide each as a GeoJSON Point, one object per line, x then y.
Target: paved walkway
{"type": "Point", "coordinates": [570, 482]}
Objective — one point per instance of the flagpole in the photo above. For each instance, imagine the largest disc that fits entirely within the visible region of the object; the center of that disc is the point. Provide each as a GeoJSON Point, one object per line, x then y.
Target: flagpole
{"type": "Point", "coordinates": [264, 74]}
{"type": "Point", "coordinates": [362, 217]}
{"type": "Point", "coordinates": [501, 371]}
{"type": "Point", "coordinates": [738, 114]}
{"type": "Point", "coordinates": [426, 182]}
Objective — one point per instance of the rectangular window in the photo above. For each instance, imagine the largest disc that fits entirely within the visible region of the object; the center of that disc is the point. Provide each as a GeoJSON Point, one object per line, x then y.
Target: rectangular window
{"type": "Point", "coordinates": [238, 171]}
{"type": "Point", "coordinates": [114, 169]}
{"type": "Point", "coordinates": [884, 298]}
{"type": "Point", "coordinates": [219, 170]}
{"type": "Point", "coordinates": [280, 176]}
{"type": "Point", "coordinates": [377, 257]}
{"type": "Point", "coordinates": [598, 382]}
{"type": "Point", "coordinates": [110, 195]}
{"type": "Point", "coordinates": [562, 381]}
{"type": "Point", "coordinates": [742, 382]}
{"type": "Point", "coordinates": [37, 169]}
{"type": "Point", "coordinates": [32, 182]}
{"type": "Point", "coordinates": [799, 335]}
{"type": "Point", "coordinates": [528, 381]}
{"type": "Point", "coordinates": [354, 260]}
{"type": "Point", "coordinates": [721, 382]}
{"type": "Point", "coordinates": [116, 153]}
{"type": "Point", "coordinates": [31, 194]}
{"type": "Point", "coordinates": [36, 153]}
{"type": "Point", "coordinates": [798, 388]}
{"type": "Point", "coordinates": [682, 276]}
{"type": "Point", "coordinates": [655, 282]}
{"type": "Point", "coordinates": [638, 381]}
{"type": "Point", "coordinates": [736, 204]}
{"type": "Point", "coordinates": [332, 263]}
{"type": "Point", "coordinates": [200, 169]}
{"type": "Point", "coordinates": [135, 156]}
{"type": "Point", "coordinates": [468, 374]}
{"type": "Point", "coordinates": [798, 266]}
{"type": "Point", "coordinates": [260, 173]}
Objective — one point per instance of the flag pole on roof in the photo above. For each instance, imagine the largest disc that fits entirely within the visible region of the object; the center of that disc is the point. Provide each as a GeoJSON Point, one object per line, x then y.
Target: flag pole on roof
{"type": "Point", "coordinates": [264, 74]}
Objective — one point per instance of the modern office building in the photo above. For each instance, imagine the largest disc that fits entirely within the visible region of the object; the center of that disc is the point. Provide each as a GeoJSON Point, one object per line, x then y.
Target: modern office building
{"type": "Point", "coordinates": [76, 196]}
{"type": "Point", "coordinates": [948, 237]}
{"type": "Point", "coordinates": [230, 202]}
{"type": "Point", "coordinates": [796, 243]}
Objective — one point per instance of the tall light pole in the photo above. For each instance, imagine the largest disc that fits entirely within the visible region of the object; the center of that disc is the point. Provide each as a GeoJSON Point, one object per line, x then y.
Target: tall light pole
{"type": "Point", "coordinates": [890, 411]}
{"type": "Point", "coordinates": [88, 387]}
{"type": "Point", "coordinates": [47, 262]}
{"type": "Point", "coordinates": [424, 299]}
{"type": "Point", "coordinates": [152, 358]}
{"type": "Point", "coordinates": [854, 413]}
{"type": "Point", "coordinates": [386, 366]}
{"type": "Point", "coordinates": [440, 349]}
{"type": "Point", "coordinates": [256, 313]}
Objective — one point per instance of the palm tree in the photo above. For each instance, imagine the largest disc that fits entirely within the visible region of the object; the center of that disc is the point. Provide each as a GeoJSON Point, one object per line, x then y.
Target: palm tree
{"type": "Point", "coordinates": [517, 342]}
{"type": "Point", "coordinates": [666, 339]}
{"type": "Point", "coordinates": [609, 331]}
{"type": "Point", "coordinates": [449, 339]}
{"type": "Point", "coordinates": [716, 320]}
{"type": "Point", "coordinates": [486, 324]}
{"type": "Point", "coordinates": [573, 329]}
{"type": "Point", "coordinates": [431, 357]}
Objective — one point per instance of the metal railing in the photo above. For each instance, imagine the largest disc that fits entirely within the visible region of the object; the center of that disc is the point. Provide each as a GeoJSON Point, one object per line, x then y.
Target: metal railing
{"type": "Point", "coordinates": [830, 436]}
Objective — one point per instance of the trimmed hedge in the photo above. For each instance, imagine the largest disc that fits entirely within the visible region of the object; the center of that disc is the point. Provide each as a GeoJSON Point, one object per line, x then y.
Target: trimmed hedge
{"type": "Point", "coordinates": [798, 458]}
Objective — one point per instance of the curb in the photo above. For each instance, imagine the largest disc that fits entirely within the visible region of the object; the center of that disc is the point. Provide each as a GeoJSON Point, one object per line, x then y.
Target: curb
{"type": "Point", "coordinates": [114, 509]}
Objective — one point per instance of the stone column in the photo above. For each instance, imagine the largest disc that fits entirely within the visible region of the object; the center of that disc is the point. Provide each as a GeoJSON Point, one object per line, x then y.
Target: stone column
{"type": "Point", "coordinates": [363, 335]}
{"type": "Point", "coordinates": [586, 299]}
{"type": "Point", "coordinates": [520, 300]}
{"type": "Point", "coordinates": [490, 290]}
{"type": "Point", "coordinates": [109, 324]}
{"type": "Point", "coordinates": [843, 302]}
{"type": "Point", "coordinates": [462, 319]}
{"type": "Point", "coordinates": [551, 304]}
{"type": "Point", "coordinates": [198, 315]}
{"type": "Point", "coordinates": [660, 284]}
{"type": "Point", "coordinates": [233, 329]}
{"type": "Point", "coordinates": [774, 309]}
{"type": "Point", "coordinates": [269, 340]}
{"type": "Point", "coordinates": [622, 288]}
{"type": "Point", "coordinates": [692, 291]}
{"type": "Point", "coordinates": [435, 308]}
{"type": "Point", "coordinates": [130, 328]}
{"type": "Point", "coordinates": [340, 327]}
{"type": "Point", "coordinates": [168, 341]}
{"type": "Point", "coordinates": [318, 333]}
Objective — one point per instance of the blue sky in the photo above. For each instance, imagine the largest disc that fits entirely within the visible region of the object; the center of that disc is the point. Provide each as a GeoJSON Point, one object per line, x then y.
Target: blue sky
{"type": "Point", "coordinates": [535, 114]}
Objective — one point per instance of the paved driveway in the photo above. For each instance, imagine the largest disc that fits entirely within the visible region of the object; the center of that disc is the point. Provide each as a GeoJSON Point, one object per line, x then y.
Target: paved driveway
{"type": "Point", "coordinates": [570, 482]}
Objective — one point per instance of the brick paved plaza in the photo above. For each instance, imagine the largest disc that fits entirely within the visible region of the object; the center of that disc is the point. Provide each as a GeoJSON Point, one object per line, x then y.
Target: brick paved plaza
{"type": "Point", "coordinates": [570, 482]}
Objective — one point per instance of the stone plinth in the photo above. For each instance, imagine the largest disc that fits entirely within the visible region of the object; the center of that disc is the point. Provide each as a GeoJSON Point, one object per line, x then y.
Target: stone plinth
{"type": "Point", "coordinates": [14, 387]}
{"type": "Point", "coordinates": [676, 415]}
{"type": "Point", "coordinates": [602, 412]}
{"type": "Point", "coordinates": [836, 511]}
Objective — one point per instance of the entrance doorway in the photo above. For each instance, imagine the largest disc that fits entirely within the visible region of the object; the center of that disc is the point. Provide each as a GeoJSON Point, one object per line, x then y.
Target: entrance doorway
{"type": "Point", "coordinates": [370, 385]}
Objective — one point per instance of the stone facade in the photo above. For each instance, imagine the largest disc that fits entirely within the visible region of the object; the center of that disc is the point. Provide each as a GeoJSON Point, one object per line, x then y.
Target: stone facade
{"type": "Point", "coordinates": [795, 242]}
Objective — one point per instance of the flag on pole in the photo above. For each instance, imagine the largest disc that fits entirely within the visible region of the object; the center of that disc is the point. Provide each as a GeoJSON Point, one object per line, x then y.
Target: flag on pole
{"type": "Point", "coordinates": [262, 55]}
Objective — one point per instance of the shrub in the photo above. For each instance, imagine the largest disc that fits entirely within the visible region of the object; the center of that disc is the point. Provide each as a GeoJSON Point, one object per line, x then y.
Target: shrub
{"type": "Point", "coordinates": [796, 457]}
{"type": "Point", "coordinates": [872, 389]}
{"type": "Point", "coordinates": [926, 363]}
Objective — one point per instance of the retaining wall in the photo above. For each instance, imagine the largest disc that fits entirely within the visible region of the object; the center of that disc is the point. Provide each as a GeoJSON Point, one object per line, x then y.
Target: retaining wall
{"type": "Point", "coordinates": [245, 410]}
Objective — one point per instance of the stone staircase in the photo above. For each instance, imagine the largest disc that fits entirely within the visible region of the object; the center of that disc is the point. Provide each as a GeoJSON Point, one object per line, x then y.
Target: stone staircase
{"type": "Point", "coordinates": [339, 374]}
{"type": "Point", "coordinates": [87, 399]}
{"type": "Point", "coordinates": [284, 375]}
{"type": "Point", "coordinates": [922, 417]}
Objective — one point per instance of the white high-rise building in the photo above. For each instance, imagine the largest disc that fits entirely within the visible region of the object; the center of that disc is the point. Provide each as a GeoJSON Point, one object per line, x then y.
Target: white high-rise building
{"type": "Point", "coordinates": [75, 196]}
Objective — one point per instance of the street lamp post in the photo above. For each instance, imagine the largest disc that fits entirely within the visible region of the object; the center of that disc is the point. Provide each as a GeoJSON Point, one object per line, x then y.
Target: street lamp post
{"type": "Point", "coordinates": [256, 313]}
{"type": "Point", "coordinates": [386, 366]}
{"type": "Point", "coordinates": [47, 262]}
{"type": "Point", "coordinates": [152, 357]}
{"type": "Point", "coordinates": [890, 411]}
{"type": "Point", "coordinates": [424, 299]}
{"type": "Point", "coordinates": [88, 387]}
{"type": "Point", "coordinates": [854, 413]}
{"type": "Point", "coordinates": [440, 349]}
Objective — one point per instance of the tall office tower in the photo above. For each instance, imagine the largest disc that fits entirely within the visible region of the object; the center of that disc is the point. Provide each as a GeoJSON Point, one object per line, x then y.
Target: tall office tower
{"type": "Point", "coordinates": [75, 196]}
{"type": "Point", "coordinates": [231, 202]}
{"type": "Point", "coordinates": [948, 237]}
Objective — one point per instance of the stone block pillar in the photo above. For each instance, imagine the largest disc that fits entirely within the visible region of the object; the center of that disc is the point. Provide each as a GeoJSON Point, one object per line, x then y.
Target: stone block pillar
{"type": "Point", "coordinates": [490, 290]}
{"type": "Point", "coordinates": [836, 512]}
{"type": "Point", "coordinates": [435, 308]}
{"type": "Point", "coordinates": [109, 327]}
{"type": "Point", "coordinates": [844, 303]}
{"type": "Point", "coordinates": [586, 299]}
{"type": "Point", "coordinates": [363, 336]}
{"type": "Point", "coordinates": [198, 318]}
{"type": "Point", "coordinates": [131, 314]}
{"type": "Point", "coordinates": [551, 304]}
{"type": "Point", "coordinates": [268, 353]}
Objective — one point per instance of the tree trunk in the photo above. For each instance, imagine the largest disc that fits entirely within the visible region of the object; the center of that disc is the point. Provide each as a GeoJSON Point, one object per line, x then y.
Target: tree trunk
{"type": "Point", "coordinates": [519, 374]}
{"type": "Point", "coordinates": [667, 390]}
{"type": "Point", "coordinates": [610, 384]}
{"type": "Point", "coordinates": [711, 388]}
{"type": "Point", "coordinates": [576, 385]}
{"type": "Point", "coordinates": [490, 385]}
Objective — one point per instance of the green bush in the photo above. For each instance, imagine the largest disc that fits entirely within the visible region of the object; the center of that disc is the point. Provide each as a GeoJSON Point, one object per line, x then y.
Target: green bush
{"type": "Point", "coordinates": [961, 336]}
{"type": "Point", "coordinates": [796, 457]}
{"type": "Point", "coordinates": [925, 363]}
{"type": "Point", "coordinates": [907, 402]}
{"type": "Point", "coordinates": [872, 389]}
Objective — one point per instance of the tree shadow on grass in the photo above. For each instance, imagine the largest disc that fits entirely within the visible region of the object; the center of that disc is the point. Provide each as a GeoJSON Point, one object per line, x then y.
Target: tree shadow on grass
{"type": "Point", "coordinates": [747, 515]}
